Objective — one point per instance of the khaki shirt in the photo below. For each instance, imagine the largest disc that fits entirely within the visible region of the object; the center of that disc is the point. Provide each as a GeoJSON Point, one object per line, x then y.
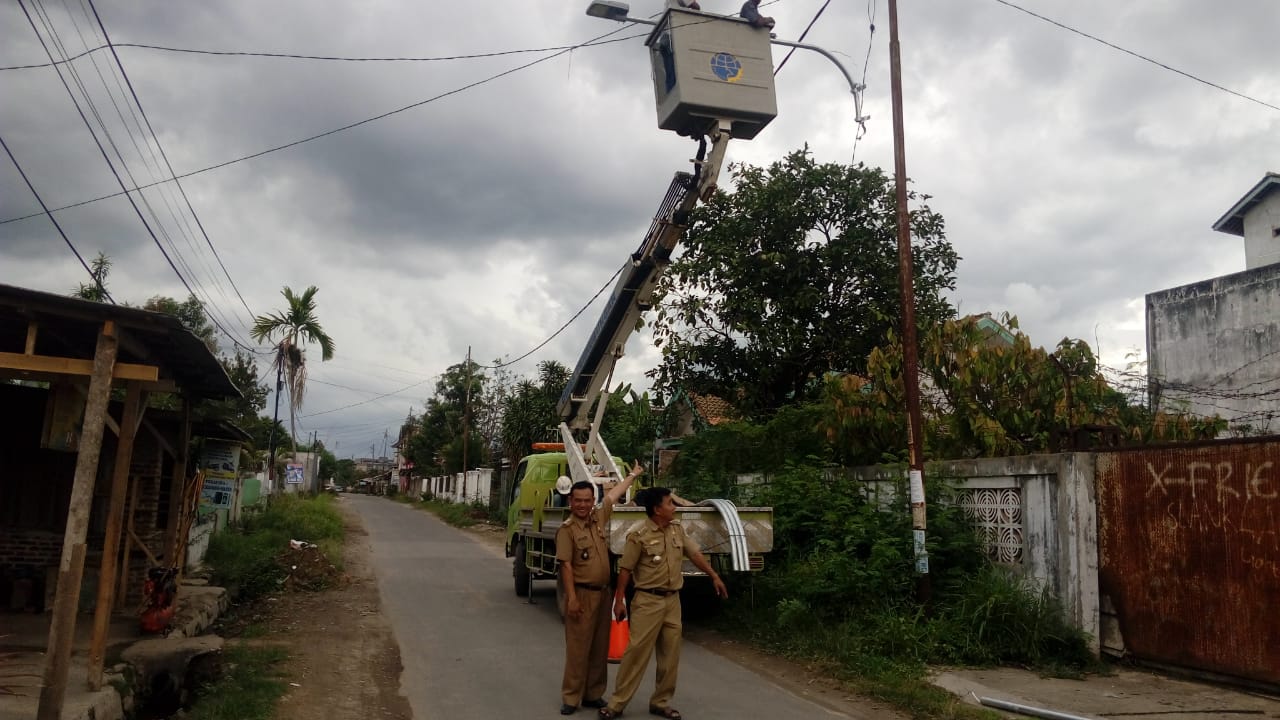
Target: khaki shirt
{"type": "Point", "coordinates": [585, 546]}
{"type": "Point", "coordinates": [655, 556]}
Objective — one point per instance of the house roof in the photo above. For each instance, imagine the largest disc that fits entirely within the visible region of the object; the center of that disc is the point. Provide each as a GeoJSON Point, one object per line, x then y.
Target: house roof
{"type": "Point", "coordinates": [712, 409]}
{"type": "Point", "coordinates": [68, 327]}
{"type": "Point", "coordinates": [1232, 222]}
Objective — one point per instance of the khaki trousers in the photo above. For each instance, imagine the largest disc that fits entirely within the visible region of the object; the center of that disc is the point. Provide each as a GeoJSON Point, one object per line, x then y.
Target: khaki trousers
{"type": "Point", "coordinates": [586, 648]}
{"type": "Point", "coordinates": [655, 624]}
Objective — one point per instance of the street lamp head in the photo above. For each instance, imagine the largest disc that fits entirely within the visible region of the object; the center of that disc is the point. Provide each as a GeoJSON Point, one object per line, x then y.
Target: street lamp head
{"type": "Point", "coordinates": [609, 10]}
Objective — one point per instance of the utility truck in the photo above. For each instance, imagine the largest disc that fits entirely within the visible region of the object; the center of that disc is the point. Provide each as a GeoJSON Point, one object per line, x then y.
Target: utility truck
{"type": "Point", "coordinates": [713, 79]}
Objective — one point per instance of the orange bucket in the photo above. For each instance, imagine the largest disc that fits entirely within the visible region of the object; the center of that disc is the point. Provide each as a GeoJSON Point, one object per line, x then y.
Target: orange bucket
{"type": "Point", "coordinates": [619, 638]}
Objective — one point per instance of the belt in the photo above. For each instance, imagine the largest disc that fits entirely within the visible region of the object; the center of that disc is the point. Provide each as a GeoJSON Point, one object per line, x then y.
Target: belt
{"type": "Point", "coordinates": [587, 586]}
{"type": "Point", "coordinates": [657, 591]}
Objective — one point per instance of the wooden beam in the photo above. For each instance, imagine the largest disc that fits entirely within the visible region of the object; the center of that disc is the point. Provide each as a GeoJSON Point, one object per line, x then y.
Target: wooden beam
{"type": "Point", "coordinates": [74, 366]}
{"type": "Point", "coordinates": [164, 444]}
{"type": "Point", "coordinates": [71, 566]}
{"type": "Point", "coordinates": [31, 337]}
{"type": "Point", "coordinates": [111, 543]}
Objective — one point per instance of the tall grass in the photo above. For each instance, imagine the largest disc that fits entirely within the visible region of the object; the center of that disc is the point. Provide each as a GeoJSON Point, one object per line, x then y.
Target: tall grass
{"type": "Point", "coordinates": [244, 559]}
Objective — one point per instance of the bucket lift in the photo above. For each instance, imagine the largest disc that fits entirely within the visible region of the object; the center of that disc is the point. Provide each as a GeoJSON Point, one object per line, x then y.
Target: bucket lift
{"type": "Point", "coordinates": [712, 80]}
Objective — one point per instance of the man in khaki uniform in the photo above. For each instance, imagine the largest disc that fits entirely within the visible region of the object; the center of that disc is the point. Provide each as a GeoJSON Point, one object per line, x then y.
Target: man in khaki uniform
{"type": "Point", "coordinates": [653, 557]}
{"type": "Point", "coordinates": [582, 550]}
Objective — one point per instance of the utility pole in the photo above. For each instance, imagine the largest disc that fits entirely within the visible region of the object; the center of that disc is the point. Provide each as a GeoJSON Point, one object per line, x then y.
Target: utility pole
{"type": "Point", "coordinates": [910, 360]}
{"type": "Point", "coordinates": [275, 420]}
{"type": "Point", "coordinates": [466, 417]}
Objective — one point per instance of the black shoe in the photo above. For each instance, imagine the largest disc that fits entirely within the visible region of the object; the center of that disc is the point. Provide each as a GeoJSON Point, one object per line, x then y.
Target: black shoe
{"type": "Point", "coordinates": [597, 703]}
{"type": "Point", "coordinates": [568, 709]}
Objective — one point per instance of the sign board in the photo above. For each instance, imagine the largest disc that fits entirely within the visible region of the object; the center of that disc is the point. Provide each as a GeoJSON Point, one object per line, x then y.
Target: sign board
{"type": "Point", "coordinates": [293, 473]}
{"type": "Point", "coordinates": [221, 463]}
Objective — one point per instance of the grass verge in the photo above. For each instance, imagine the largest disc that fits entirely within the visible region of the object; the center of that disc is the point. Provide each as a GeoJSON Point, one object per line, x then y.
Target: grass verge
{"type": "Point", "coordinates": [456, 514]}
{"type": "Point", "coordinates": [248, 689]}
{"type": "Point", "coordinates": [251, 559]}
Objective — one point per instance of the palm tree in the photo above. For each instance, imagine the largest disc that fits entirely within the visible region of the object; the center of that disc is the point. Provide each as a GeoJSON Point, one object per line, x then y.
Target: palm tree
{"type": "Point", "coordinates": [296, 326]}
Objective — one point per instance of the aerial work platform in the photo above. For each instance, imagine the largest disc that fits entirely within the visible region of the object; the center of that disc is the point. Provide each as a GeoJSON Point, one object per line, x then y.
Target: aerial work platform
{"type": "Point", "coordinates": [708, 68]}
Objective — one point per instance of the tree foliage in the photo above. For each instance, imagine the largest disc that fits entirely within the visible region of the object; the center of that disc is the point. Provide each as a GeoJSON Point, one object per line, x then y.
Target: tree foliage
{"type": "Point", "coordinates": [630, 425]}
{"type": "Point", "coordinates": [190, 312]}
{"type": "Point", "coordinates": [990, 393]}
{"type": "Point", "coordinates": [437, 443]}
{"type": "Point", "coordinates": [529, 413]}
{"type": "Point", "coordinates": [791, 276]}
{"type": "Point", "coordinates": [99, 268]}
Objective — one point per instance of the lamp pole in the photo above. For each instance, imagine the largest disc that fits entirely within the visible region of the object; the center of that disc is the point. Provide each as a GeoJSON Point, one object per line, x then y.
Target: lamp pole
{"type": "Point", "coordinates": [910, 360]}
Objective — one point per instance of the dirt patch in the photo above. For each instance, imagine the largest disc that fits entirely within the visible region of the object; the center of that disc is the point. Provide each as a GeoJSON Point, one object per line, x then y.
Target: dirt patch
{"type": "Point", "coordinates": [344, 662]}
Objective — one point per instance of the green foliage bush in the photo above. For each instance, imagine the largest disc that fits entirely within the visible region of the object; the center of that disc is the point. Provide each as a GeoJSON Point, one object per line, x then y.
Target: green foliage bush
{"type": "Point", "coordinates": [840, 584]}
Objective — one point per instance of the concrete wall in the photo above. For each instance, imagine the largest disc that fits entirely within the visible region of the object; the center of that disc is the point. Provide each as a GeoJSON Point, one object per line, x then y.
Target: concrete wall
{"type": "Point", "coordinates": [1037, 513]}
{"type": "Point", "coordinates": [1261, 243]}
{"type": "Point", "coordinates": [469, 487]}
{"type": "Point", "coordinates": [1214, 346]}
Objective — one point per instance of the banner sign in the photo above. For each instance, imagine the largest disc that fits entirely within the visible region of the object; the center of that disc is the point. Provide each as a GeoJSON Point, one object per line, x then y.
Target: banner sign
{"type": "Point", "coordinates": [221, 463]}
{"type": "Point", "coordinates": [293, 473]}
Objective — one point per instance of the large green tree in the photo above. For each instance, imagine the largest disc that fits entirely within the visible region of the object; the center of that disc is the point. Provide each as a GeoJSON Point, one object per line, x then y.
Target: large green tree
{"type": "Point", "coordinates": [438, 443]}
{"type": "Point", "coordinates": [790, 276]}
{"type": "Point", "coordinates": [529, 413]}
{"type": "Point", "coordinates": [291, 330]}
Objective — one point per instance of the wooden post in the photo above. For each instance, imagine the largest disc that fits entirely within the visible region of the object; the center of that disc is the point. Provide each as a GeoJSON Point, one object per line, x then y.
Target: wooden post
{"type": "Point", "coordinates": [71, 567]}
{"type": "Point", "coordinates": [122, 587]}
{"type": "Point", "coordinates": [111, 543]}
{"type": "Point", "coordinates": [177, 486]}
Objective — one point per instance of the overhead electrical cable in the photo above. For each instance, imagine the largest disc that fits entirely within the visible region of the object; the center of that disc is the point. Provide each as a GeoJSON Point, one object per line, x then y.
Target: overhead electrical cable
{"type": "Point", "coordinates": [1140, 56]}
{"type": "Point", "coordinates": [55, 38]}
{"type": "Point", "coordinates": [168, 165]}
{"type": "Point", "coordinates": [801, 38]}
{"type": "Point", "coordinates": [119, 180]}
{"type": "Point", "coordinates": [54, 220]}
{"type": "Point", "coordinates": [557, 332]}
{"type": "Point", "coordinates": [372, 399]}
{"type": "Point", "coordinates": [337, 130]}
{"type": "Point", "coordinates": [330, 58]}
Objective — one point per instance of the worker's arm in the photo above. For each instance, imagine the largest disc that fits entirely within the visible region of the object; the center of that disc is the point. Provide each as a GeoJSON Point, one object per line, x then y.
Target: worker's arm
{"type": "Point", "coordinates": [620, 490]}
{"type": "Point", "coordinates": [620, 594]}
{"type": "Point", "coordinates": [571, 606]}
{"type": "Point", "coordinates": [700, 562]}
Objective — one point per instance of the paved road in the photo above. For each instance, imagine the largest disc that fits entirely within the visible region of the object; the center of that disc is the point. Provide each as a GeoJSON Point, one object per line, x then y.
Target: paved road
{"type": "Point", "coordinates": [472, 649]}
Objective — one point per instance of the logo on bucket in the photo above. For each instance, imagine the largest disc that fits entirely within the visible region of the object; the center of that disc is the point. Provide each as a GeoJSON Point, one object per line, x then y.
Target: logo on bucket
{"type": "Point", "coordinates": [726, 67]}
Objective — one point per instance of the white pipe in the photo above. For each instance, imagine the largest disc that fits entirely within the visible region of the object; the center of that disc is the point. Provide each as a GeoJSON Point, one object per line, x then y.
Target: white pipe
{"type": "Point", "coordinates": [1029, 710]}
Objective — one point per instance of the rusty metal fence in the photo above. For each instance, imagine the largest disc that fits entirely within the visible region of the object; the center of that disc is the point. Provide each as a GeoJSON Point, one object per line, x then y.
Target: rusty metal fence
{"type": "Point", "coordinates": [1189, 554]}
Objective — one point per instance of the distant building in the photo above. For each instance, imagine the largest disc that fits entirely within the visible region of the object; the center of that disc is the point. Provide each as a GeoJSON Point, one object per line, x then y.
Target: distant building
{"type": "Point", "coordinates": [1213, 347]}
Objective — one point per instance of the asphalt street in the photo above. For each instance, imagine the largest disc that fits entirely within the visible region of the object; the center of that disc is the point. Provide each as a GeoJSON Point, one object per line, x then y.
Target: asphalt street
{"type": "Point", "coordinates": [472, 649]}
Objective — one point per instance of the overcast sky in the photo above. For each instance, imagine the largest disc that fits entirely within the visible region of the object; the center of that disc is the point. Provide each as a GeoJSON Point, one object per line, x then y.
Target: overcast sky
{"type": "Point", "coordinates": [1074, 178]}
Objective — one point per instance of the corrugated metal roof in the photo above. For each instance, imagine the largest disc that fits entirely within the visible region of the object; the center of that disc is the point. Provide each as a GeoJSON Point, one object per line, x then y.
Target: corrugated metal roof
{"type": "Point", "coordinates": [69, 328]}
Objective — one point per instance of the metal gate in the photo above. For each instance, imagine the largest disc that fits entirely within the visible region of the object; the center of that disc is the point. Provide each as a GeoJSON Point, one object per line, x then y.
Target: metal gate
{"type": "Point", "coordinates": [1189, 554]}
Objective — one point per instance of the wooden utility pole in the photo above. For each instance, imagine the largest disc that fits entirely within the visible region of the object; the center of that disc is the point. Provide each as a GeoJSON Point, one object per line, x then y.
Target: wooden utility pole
{"type": "Point", "coordinates": [910, 359]}
{"type": "Point", "coordinates": [129, 421]}
{"type": "Point", "coordinates": [71, 567]}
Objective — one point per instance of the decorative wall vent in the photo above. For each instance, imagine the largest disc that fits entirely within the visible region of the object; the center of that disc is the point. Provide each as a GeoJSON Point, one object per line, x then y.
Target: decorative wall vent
{"type": "Point", "coordinates": [997, 516]}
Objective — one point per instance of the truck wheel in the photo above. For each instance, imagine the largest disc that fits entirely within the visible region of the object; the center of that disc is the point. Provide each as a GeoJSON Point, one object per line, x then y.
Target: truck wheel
{"type": "Point", "coordinates": [520, 571]}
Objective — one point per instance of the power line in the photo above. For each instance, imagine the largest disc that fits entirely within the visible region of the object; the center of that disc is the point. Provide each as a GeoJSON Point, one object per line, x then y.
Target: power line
{"type": "Point", "coordinates": [115, 173]}
{"type": "Point", "coordinates": [54, 220]}
{"type": "Point", "coordinates": [334, 131]}
{"type": "Point", "coordinates": [1140, 56]}
{"type": "Point", "coordinates": [800, 39]}
{"type": "Point", "coordinates": [557, 332]}
{"type": "Point", "coordinates": [293, 56]}
{"type": "Point", "coordinates": [168, 165]}
{"type": "Point", "coordinates": [372, 399]}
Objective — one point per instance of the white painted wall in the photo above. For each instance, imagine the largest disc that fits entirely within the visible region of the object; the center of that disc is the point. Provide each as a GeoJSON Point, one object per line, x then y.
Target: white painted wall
{"type": "Point", "coordinates": [1261, 244]}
